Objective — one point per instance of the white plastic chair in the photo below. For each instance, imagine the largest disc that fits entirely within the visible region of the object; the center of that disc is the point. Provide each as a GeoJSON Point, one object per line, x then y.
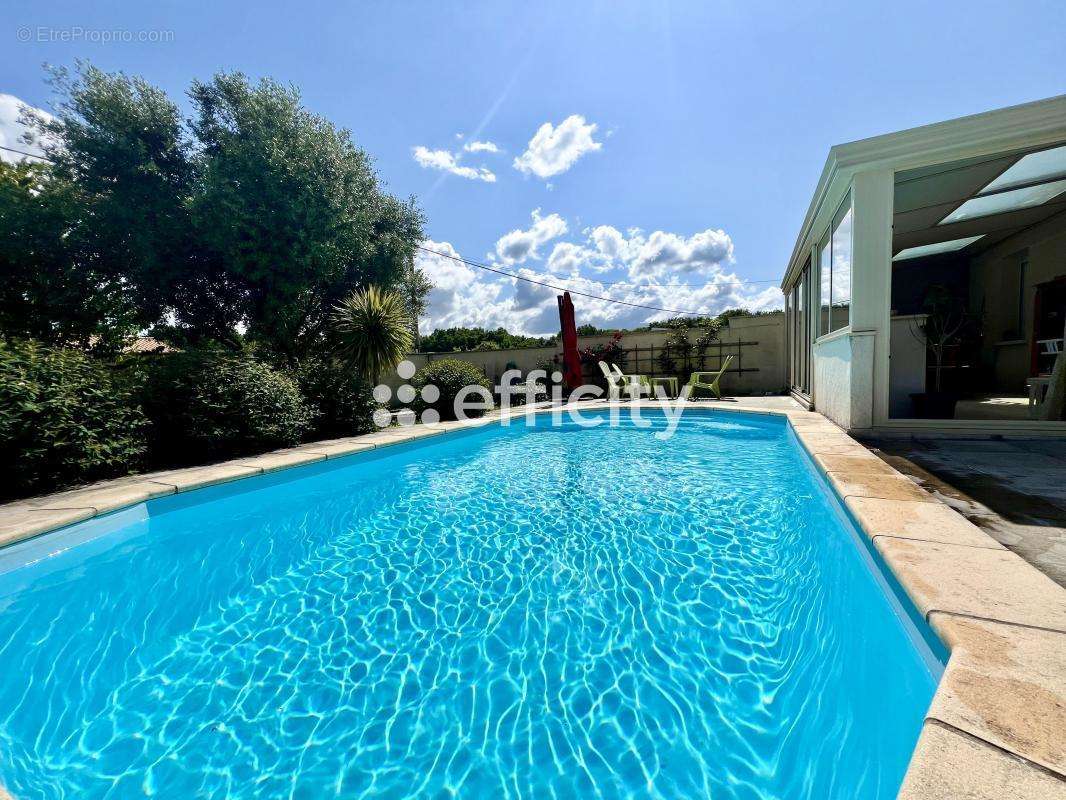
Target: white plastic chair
{"type": "Point", "coordinates": [629, 381]}
{"type": "Point", "coordinates": [615, 383]}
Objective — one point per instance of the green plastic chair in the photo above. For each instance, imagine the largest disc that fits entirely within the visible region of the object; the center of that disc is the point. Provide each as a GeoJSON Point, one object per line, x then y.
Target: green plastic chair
{"type": "Point", "coordinates": [709, 380]}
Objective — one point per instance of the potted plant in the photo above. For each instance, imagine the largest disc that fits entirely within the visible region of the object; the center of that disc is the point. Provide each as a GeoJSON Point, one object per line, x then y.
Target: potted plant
{"type": "Point", "coordinates": [946, 326]}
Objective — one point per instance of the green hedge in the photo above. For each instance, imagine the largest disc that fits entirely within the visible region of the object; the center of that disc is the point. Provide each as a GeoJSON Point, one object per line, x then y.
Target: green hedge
{"type": "Point", "coordinates": [449, 375]}
{"type": "Point", "coordinates": [65, 418]}
{"type": "Point", "coordinates": [210, 404]}
{"type": "Point", "coordinates": [341, 401]}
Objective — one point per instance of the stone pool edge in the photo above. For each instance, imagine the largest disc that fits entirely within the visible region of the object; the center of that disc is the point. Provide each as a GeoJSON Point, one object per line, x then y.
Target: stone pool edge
{"type": "Point", "coordinates": [993, 729]}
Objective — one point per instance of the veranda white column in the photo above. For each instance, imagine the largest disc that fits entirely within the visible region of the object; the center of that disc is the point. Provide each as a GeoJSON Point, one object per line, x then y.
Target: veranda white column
{"type": "Point", "coordinates": [871, 295]}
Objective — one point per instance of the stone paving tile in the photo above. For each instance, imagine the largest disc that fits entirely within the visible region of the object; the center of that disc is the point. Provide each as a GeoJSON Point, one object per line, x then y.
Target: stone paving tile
{"type": "Point", "coordinates": [1006, 685]}
{"type": "Point", "coordinates": [336, 448]}
{"type": "Point", "coordinates": [819, 435]}
{"type": "Point", "coordinates": [929, 522]}
{"type": "Point", "coordinates": [105, 496]}
{"type": "Point", "coordinates": [814, 441]}
{"type": "Point", "coordinates": [398, 435]}
{"type": "Point", "coordinates": [823, 447]}
{"type": "Point", "coordinates": [949, 765]}
{"type": "Point", "coordinates": [813, 422]}
{"type": "Point", "coordinates": [281, 459]}
{"type": "Point", "coordinates": [974, 581]}
{"type": "Point", "coordinates": [853, 463]}
{"type": "Point", "coordinates": [1028, 465]}
{"type": "Point", "coordinates": [19, 521]}
{"type": "Point", "coordinates": [1025, 514]}
{"type": "Point", "coordinates": [887, 487]}
{"type": "Point", "coordinates": [184, 480]}
{"type": "Point", "coordinates": [974, 445]}
{"type": "Point", "coordinates": [1055, 449]}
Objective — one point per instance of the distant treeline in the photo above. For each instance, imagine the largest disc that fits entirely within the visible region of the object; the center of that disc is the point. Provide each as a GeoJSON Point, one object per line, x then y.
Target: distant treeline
{"type": "Point", "coordinates": [465, 340]}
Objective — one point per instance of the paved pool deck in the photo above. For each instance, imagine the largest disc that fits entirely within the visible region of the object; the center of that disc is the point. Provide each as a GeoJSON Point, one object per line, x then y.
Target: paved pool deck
{"type": "Point", "coordinates": [1013, 490]}
{"type": "Point", "coordinates": [996, 729]}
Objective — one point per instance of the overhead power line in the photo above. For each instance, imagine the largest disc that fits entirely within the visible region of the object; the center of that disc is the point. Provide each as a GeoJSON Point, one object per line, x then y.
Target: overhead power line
{"type": "Point", "coordinates": [512, 275]}
{"type": "Point", "coordinates": [622, 283]}
{"type": "Point", "coordinates": [24, 153]}
{"type": "Point", "coordinates": [486, 267]}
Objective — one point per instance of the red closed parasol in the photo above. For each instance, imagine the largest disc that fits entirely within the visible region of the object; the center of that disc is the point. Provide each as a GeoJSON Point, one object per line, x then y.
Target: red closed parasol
{"type": "Point", "coordinates": [571, 360]}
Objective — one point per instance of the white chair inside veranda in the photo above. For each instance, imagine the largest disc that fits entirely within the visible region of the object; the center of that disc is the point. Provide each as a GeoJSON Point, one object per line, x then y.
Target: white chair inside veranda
{"type": "Point", "coordinates": [1049, 347]}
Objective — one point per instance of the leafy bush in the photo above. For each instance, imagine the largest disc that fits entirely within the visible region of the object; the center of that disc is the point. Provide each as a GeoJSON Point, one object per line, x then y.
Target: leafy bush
{"type": "Point", "coordinates": [611, 352]}
{"type": "Point", "coordinates": [65, 418]}
{"type": "Point", "coordinates": [210, 404]}
{"type": "Point", "coordinates": [449, 375]}
{"type": "Point", "coordinates": [681, 355]}
{"type": "Point", "coordinates": [340, 400]}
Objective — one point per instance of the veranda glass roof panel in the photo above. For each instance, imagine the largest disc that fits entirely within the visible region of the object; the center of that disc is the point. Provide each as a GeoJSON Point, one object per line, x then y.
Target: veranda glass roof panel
{"type": "Point", "coordinates": [986, 205]}
{"type": "Point", "coordinates": [934, 249]}
{"type": "Point", "coordinates": [1033, 168]}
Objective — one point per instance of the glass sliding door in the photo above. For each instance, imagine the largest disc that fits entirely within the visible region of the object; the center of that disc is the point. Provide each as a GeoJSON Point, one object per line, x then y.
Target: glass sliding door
{"type": "Point", "coordinates": [834, 267]}
{"type": "Point", "coordinates": [841, 317]}
{"type": "Point", "coordinates": [803, 317]}
{"type": "Point", "coordinates": [800, 331]}
{"type": "Point", "coordinates": [798, 338]}
{"type": "Point", "coordinates": [790, 338]}
{"type": "Point", "coordinates": [825, 273]}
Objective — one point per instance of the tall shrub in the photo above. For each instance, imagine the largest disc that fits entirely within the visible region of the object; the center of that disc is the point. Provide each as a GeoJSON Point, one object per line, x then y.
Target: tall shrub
{"type": "Point", "coordinates": [340, 400]}
{"type": "Point", "coordinates": [65, 418]}
{"type": "Point", "coordinates": [205, 405]}
{"type": "Point", "coordinates": [449, 376]}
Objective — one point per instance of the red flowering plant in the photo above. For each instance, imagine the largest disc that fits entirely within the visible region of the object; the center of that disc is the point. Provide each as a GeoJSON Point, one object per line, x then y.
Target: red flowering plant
{"type": "Point", "coordinates": [610, 352]}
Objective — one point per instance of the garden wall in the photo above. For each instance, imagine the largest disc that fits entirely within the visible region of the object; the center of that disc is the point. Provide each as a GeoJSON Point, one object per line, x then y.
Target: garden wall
{"type": "Point", "coordinates": [756, 343]}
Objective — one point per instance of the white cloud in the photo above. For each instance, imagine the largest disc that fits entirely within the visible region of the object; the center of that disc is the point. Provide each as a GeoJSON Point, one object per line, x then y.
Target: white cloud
{"type": "Point", "coordinates": [481, 147]}
{"type": "Point", "coordinates": [536, 312]}
{"type": "Point", "coordinates": [610, 241]}
{"type": "Point", "coordinates": [462, 296]}
{"type": "Point", "coordinates": [533, 296]}
{"type": "Point", "coordinates": [567, 258]}
{"type": "Point", "coordinates": [667, 270]}
{"type": "Point", "coordinates": [553, 150]}
{"type": "Point", "coordinates": [663, 253]}
{"type": "Point", "coordinates": [12, 131]}
{"type": "Point", "coordinates": [519, 245]}
{"type": "Point", "coordinates": [448, 162]}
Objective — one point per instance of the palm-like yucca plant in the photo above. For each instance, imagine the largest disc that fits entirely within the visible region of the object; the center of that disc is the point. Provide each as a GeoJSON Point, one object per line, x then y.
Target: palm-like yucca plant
{"type": "Point", "coordinates": [373, 330]}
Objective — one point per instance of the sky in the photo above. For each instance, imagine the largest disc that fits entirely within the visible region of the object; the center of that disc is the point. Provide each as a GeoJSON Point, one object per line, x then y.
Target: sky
{"type": "Point", "coordinates": [655, 153]}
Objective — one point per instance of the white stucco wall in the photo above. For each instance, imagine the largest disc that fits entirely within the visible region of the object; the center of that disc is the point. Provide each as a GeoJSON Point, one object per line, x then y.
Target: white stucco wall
{"type": "Point", "coordinates": [832, 379]}
{"type": "Point", "coordinates": [843, 379]}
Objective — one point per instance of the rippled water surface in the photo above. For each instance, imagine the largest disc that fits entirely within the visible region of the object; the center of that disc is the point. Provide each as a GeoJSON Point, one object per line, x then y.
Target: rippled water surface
{"type": "Point", "coordinates": [546, 612]}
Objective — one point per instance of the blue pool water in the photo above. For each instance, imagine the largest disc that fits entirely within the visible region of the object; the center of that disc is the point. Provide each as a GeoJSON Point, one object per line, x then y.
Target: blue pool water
{"type": "Point", "coordinates": [507, 612]}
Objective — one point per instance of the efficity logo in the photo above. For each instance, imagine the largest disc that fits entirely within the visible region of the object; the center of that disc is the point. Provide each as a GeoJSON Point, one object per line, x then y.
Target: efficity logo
{"type": "Point", "coordinates": [406, 394]}
{"type": "Point", "coordinates": [537, 391]}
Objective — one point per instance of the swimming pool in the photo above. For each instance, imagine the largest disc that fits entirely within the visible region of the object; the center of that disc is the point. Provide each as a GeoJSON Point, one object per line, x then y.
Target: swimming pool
{"type": "Point", "coordinates": [504, 612]}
